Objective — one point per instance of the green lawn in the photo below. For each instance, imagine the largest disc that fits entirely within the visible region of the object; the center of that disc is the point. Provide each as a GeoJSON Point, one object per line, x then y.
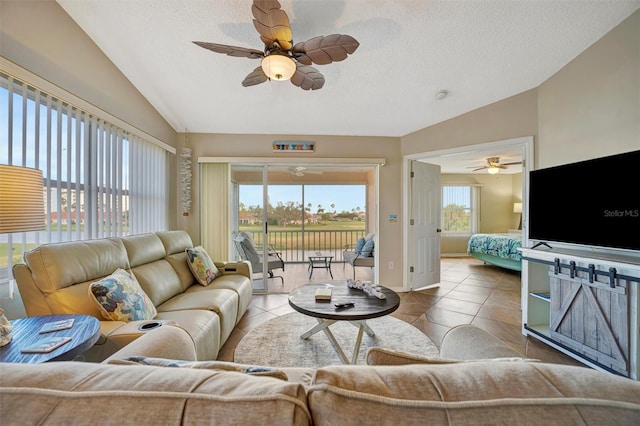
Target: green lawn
{"type": "Point", "coordinates": [292, 242]}
{"type": "Point", "coordinates": [291, 237]}
{"type": "Point", "coordinates": [326, 226]}
{"type": "Point", "coordinates": [18, 250]}
{"type": "Point", "coordinates": [17, 253]}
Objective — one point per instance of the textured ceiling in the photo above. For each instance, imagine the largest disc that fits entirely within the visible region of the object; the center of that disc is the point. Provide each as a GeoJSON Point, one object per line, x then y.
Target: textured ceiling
{"type": "Point", "coordinates": [481, 51]}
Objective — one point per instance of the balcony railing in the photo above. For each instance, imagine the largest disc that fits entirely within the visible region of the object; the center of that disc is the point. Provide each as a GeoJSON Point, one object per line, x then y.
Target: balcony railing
{"type": "Point", "coordinates": [296, 246]}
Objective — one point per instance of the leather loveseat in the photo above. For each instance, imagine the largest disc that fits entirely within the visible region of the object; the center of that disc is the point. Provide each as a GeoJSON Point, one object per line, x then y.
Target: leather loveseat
{"type": "Point", "coordinates": [55, 279]}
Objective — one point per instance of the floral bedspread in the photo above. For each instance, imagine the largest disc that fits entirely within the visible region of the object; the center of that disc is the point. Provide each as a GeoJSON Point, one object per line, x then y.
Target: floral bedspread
{"type": "Point", "coordinates": [501, 245]}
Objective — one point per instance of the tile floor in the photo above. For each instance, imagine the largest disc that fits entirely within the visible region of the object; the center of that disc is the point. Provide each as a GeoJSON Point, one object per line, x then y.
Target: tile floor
{"type": "Point", "coordinates": [469, 293]}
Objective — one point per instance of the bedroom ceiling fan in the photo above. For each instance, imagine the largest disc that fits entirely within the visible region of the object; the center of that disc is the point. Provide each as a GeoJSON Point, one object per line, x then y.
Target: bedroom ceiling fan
{"type": "Point", "coordinates": [281, 59]}
{"type": "Point", "coordinates": [493, 165]}
{"type": "Point", "coordinates": [301, 171]}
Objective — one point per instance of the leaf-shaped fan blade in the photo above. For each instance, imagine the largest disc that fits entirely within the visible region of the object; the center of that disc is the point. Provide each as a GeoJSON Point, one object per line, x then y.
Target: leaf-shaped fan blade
{"type": "Point", "coordinates": [240, 52]}
{"type": "Point", "coordinates": [323, 50]}
{"type": "Point", "coordinates": [307, 78]}
{"type": "Point", "coordinates": [302, 58]}
{"type": "Point", "coordinates": [511, 164]}
{"type": "Point", "coordinates": [256, 76]}
{"type": "Point", "coordinates": [272, 23]}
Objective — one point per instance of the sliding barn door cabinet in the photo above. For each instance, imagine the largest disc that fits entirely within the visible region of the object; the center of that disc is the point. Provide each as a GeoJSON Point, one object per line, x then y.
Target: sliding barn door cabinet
{"type": "Point", "coordinates": [585, 305]}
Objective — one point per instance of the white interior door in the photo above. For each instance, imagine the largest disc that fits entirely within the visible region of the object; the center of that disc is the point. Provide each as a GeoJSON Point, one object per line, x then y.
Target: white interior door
{"type": "Point", "coordinates": [425, 202]}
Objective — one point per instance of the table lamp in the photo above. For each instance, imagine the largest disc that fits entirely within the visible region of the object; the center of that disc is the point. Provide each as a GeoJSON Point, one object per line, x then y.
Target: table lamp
{"type": "Point", "coordinates": [21, 210]}
{"type": "Point", "coordinates": [517, 208]}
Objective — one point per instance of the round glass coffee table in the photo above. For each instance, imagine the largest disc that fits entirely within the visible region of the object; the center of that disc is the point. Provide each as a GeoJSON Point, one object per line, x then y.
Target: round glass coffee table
{"type": "Point", "coordinates": [365, 307]}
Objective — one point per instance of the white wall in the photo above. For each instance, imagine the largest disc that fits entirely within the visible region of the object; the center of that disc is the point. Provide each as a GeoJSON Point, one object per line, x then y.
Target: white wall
{"type": "Point", "coordinates": [328, 147]}
{"type": "Point", "coordinates": [591, 107]}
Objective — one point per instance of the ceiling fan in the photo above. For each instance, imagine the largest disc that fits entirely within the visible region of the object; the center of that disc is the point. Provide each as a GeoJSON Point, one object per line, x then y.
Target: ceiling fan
{"type": "Point", "coordinates": [300, 171]}
{"type": "Point", "coordinates": [281, 59]}
{"type": "Point", "coordinates": [493, 165]}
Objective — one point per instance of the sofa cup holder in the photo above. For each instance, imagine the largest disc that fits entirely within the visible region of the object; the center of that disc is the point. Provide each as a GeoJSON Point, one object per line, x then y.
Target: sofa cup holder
{"type": "Point", "coordinates": [150, 326]}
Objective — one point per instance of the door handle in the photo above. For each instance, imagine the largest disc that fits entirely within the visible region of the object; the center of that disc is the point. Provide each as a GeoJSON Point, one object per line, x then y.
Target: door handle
{"type": "Point", "coordinates": [438, 230]}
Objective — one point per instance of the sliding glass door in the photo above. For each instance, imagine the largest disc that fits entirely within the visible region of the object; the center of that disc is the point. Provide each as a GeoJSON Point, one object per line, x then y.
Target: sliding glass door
{"type": "Point", "coordinates": [249, 220]}
{"type": "Point", "coordinates": [297, 212]}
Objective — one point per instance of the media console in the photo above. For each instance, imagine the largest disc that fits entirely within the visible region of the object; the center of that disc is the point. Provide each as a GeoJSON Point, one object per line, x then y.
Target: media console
{"type": "Point", "coordinates": [585, 305]}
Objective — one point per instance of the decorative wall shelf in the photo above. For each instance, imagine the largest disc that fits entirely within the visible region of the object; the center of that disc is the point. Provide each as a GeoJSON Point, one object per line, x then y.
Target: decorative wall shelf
{"type": "Point", "coordinates": [292, 146]}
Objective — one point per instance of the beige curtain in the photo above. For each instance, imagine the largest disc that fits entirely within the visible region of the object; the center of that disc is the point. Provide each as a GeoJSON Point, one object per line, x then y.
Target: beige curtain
{"type": "Point", "coordinates": [214, 209]}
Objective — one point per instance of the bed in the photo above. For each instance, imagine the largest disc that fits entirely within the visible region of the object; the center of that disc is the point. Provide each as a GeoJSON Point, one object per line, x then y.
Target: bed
{"type": "Point", "coordinates": [497, 249]}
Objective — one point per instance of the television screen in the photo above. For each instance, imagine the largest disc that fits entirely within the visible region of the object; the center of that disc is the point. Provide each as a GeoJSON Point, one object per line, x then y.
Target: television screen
{"type": "Point", "coordinates": [594, 202]}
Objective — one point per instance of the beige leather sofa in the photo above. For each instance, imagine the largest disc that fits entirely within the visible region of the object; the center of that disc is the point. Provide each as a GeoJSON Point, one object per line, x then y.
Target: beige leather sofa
{"type": "Point", "coordinates": [55, 279]}
{"type": "Point", "coordinates": [394, 389]}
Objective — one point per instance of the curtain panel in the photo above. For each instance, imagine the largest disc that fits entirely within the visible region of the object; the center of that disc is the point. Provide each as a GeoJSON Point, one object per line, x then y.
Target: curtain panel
{"type": "Point", "coordinates": [214, 209]}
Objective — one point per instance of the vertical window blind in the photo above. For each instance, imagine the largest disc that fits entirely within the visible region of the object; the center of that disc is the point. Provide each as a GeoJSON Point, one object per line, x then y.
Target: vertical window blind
{"type": "Point", "coordinates": [98, 179]}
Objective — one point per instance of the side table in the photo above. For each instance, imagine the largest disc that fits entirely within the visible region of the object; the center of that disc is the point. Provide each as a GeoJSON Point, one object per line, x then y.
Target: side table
{"type": "Point", "coordinates": [320, 261]}
{"type": "Point", "coordinates": [84, 333]}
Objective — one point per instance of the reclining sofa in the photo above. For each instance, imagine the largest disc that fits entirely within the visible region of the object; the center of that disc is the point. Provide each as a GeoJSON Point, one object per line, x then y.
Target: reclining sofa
{"type": "Point", "coordinates": [155, 380]}
{"type": "Point", "coordinates": [55, 279]}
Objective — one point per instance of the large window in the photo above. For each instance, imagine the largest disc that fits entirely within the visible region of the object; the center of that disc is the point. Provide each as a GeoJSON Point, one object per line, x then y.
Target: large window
{"type": "Point", "coordinates": [98, 179]}
{"type": "Point", "coordinates": [329, 204]}
{"type": "Point", "coordinates": [305, 218]}
{"type": "Point", "coordinates": [459, 210]}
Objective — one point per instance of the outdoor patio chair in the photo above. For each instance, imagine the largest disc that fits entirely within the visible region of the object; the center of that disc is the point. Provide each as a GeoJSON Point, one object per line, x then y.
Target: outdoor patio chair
{"type": "Point", "coordinates": [248, 250]}
{"type": "Point", "coordinates": [361, 254]}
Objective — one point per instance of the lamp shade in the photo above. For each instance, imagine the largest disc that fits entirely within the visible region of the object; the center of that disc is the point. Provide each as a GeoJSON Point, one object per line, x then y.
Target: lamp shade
{"type": "Point", "coordinates": [278, 67]}
{"type": "Point", "coordinates": [21, 199]}
{"type": "Point", "coordinates": [517, 207]}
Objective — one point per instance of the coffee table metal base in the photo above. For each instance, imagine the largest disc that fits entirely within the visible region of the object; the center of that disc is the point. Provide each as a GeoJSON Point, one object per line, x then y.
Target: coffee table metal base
{"type": "Point", "coordinates": [324, 324]}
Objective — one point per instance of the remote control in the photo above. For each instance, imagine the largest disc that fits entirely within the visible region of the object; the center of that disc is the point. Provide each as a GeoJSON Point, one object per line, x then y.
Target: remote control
{"type": "Point", "coordinates": [344, 305]}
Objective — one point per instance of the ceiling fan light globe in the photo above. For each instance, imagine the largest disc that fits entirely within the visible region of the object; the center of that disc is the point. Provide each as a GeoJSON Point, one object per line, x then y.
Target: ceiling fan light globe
{"type": "Point", "coordinates": [493, 170]}
{"type": "Point", "coordinates": [278, 67]}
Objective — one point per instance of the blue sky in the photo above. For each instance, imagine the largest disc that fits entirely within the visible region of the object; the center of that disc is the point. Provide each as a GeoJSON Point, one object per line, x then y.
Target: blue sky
{"type": "Point", "coordinates": [345, 197]}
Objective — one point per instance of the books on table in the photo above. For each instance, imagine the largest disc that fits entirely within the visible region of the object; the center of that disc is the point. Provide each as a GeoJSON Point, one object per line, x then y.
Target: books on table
{"type": "Point", "coordinates": [45, 345]}
{"type": "Point", "coordinates": [323, 294]}
{"type": "Point", "coordinates": [56, 326]}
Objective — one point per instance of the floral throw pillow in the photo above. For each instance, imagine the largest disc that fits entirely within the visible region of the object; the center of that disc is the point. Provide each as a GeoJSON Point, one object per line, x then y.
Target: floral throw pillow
{"type": "Point", "coordinates": [201, 265]}
{"type": "Point", "coordinates": [120, 298]}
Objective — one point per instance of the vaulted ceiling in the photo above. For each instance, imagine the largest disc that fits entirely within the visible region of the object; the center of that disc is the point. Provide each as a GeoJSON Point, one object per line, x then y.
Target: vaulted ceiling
{"type": "Point", "coordinates": [479, 51]}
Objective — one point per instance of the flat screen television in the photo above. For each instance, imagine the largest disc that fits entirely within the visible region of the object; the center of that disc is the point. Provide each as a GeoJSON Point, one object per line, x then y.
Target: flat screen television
{"type": "Point", "coordinates": [594, 202]}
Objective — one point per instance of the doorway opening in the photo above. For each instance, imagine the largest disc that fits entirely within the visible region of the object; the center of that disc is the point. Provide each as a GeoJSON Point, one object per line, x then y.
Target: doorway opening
{"type": "Point", "coordinates": [467, 165]}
